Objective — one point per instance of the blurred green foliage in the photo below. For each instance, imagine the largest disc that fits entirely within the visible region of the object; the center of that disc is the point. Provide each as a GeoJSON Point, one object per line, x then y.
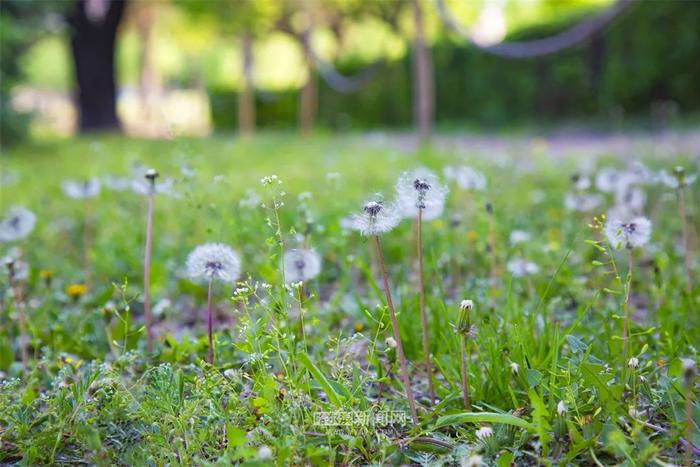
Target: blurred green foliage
{"type": "Point", "coordinates": [646, 62]}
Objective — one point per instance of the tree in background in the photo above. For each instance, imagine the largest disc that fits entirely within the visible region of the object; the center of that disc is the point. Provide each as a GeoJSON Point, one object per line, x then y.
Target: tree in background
{"type": "Point", "coordinates": [22, 22]}
{"type": "Point", "coordinates": [245, 21]}
{"type": "Point", "coordinates": [93, 31]}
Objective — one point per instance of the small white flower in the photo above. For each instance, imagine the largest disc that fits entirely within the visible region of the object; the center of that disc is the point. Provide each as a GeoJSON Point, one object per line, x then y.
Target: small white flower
{"type": "Point", "coordinates": [390, 342]}
{"type": "Point", "coordinates": [630, 233]}
{"type": "Point", "coordinates": [301, 265]}
{"type": "Point", "coordinates": [376, 218]}
{"type": "Point", "coordinates": [466, 305]}
{"type": "Point", "coordinates": [633, 362]}
{"type": "Point", "coordinates": [519, 267]}
{"type": "Point", "coordinates": [582, 202]}
{"type": "Point", "coordinates": [514, 368]}
{"type": "Point", "coordinates": [17, 224]}
{"type": "Point", "coordinates": [214, 261]}
{"type": "Point", "coordinates": [474, 460]}
{"type": "Point", "coordinates": [465, 177]}
{"type": "Point", "coordinates": [420, 190]}
{"type": "Point", "coordinates": [561, 409]}
{"type": "Point", "coordinates": [80, 190]}
{"type": "Point", "coordinates": [484, 433]}
{"type": "Point", "coordinates": [519, 236]}
{"type": "Point", "coordinates": [264, 453]}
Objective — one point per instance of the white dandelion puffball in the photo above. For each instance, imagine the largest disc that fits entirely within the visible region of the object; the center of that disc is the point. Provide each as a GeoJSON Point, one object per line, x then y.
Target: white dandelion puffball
{"type": "Point", "coordinates": [376, 218]}
{"type": "Point", "coordinates": [607, 180]}
{"type": "Point", "coordinates": [582, 202]}
{"type": "Point", "coordinates": [143, 186]}
{"type": "Point", "coordinates": [214, 261]}
{"type": "Point", "coordinates": [115, 183]}
{"type": "Point", "coordinates": [301, 265]}
{"type": "Point", "coordinates": [561, 409]}
{"type": "Point", "coordinates": [580, 182]}
{"type": "Point", "coordinates": [420, 189]}
{"type": "Point", "coordinates": [17, 224]}
{"type": "Point", "coordinates": [465, 177]}
{"type": "Point", "coordinates": [631, 233]}
{"type": "Point", "coordinates": [81, 189]}
{"type": "Point", "coordinates": [484, 432]}
{"type": "Point", "coordinates": [519, 236]}
{"type": "Point", "coordinates": [674, 181]}
{"type": "Point", "coordinates": [631, 198]}
{"type": "Point", "coordinates": [520, 267]}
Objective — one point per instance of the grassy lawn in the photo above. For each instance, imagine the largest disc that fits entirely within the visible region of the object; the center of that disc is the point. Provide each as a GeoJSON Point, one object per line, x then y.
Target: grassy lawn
{"type": "Point", "coordinates": [307, 374]}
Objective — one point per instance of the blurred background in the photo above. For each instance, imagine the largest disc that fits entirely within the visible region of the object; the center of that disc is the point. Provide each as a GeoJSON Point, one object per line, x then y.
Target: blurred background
{"type": "Point", "coordinates": [158, 68]}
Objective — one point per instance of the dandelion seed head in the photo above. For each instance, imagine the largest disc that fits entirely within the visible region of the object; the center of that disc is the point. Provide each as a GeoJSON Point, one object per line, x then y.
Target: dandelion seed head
{"type": "Point", "coordinates": [580, 182]}
{"type": "Point", "coordinates": [376, 218]}
{"type": "Point", "coordinates": [213, 261]}
{"type": "Point", "coordinates": [390, 342]}
{"type": "Point", "coordinates": [301, 265]}
{"type": "Point", "coordinates": [484, 433]}
{"type": "Point", "coordinates": [633, 362]}
{"type": "Point", "coordinates": [607, 180]}
{"type": "Point", "coordinates": [80, 190]}
{"type": "Point", "coordinates": [519, 236]}
{"type": "Point", "coordinates": [630, 233]}
{"type": "Point", "coordinates": [519, 267]}
{"type": "Point", "coordinates": [561, 408]}
{"type": "Point", "coordinates": [582, 202]}
{"type": "Point", "coordinates": [474, 460]}
{"type": "Point", "coordinates": [514, 368]}
{"type": "Point", "coordinates": [678, 179]}
{"type": "Point", "coordinates": [465, 177]}
{"type": "Point", "coordinates": [17, 224]}
{"type": "Point", "coordinates": [420, 189]}
{"type": "Point", "coordinates": [466, 305]}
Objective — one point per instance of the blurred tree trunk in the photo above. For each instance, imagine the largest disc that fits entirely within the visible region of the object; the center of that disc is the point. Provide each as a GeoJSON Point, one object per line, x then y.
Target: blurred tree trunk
{"type": "Point", "coordinates": [93, 31]}
{"type": "Point", "coordinates": [308, 97]}
{"type": "Point", "coordinates": [246, 98]}
{"type": "Point", "coordinates": [423, 99]}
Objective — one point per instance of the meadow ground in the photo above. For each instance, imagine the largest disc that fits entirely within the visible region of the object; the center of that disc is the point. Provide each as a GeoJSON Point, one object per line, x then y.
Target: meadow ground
{"type": "Point", "coordinates": [311, 373]}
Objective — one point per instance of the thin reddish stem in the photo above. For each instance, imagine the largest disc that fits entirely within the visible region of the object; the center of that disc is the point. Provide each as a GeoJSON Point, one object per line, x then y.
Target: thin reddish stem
{"type": "Point", "coordinates": [465, 372]}
{"type": "Point", "coordinates": [686, 241]}
{"type": "Point", "coordinates": [423, 316]}
{"type": "Point", "coordinates": [210, 322]}
{"type": "Point", "coordinates": [395, 328]}
{"type": "Point", "coordinates": [147, 276]}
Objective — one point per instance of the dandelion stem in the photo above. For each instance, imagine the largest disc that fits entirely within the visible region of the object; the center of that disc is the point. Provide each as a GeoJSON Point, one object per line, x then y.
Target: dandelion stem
{"type": "Point", "coordinates": [147, 276]}
{"type": "Point", "coordinates": [210, 322]}
{"type": "Point", "coordinates": [687, 460]}
{"type": "Point", "coordinates": [686, 240]}
{"type": "Point", "coordinates": [87, 242]}
{"type": "Point", "coordinates": [21, 319]}
{"type": "Point", "coordinates": [395, 328]}
{"type": "Point", "coordinates": [464, 370]}
{"type": "Point", "coordinates": [625, 322]}
{"type": "Point", "coordinates": [423, 317]}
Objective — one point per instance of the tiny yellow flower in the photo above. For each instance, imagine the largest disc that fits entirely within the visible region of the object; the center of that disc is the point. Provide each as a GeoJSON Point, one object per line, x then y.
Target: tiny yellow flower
{"type": "Point", "coordinates": [45, 274]}
{"type": "Point", "coordinates": [75, 291]}
{"type": "Point", "coordinates": [472, 235]}
{"type": "Point", "coordinates": [358, 326]}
